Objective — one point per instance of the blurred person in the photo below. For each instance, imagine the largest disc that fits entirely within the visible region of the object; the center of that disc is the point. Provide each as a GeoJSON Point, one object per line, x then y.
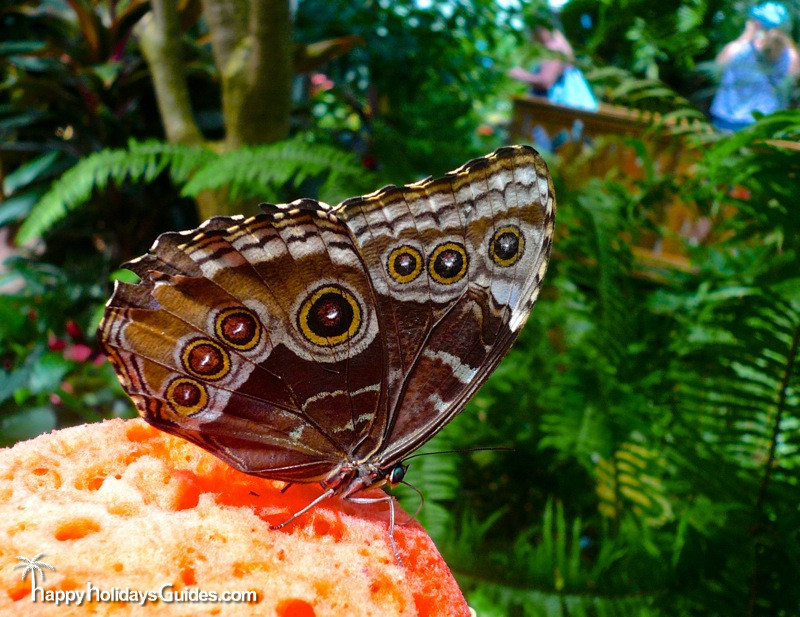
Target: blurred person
{"type": "Point", "coordinates": [556, 78]}
{"type": "Point", "coordinates": [759, 70]}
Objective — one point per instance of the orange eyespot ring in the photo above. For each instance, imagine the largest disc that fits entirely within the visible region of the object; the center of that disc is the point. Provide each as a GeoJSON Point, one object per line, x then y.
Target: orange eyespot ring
{"type": "Point", "coordinates": [507, 246]}
{"type": "Point", "coordinates": [206, 360]}
{"type": "Point", "coordinates": [186, 396]}
{"type": "Point", "coordinates": [448, 263]}
{"type": "Point", "coordinates": [238, 327]}
{"type": "Point", "coordinates": [330, 316]}
{"type": "Point", "coordinates": [404, 264]}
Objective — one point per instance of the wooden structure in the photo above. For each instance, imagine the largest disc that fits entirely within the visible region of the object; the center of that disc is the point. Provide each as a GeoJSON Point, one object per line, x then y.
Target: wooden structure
{"type": "Point", "coordinates": [598, 144]}
{"type": "Point", "coordinates": [607, 120]}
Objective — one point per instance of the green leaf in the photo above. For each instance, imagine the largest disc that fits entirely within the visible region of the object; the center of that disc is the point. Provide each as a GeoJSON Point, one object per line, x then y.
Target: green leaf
{"type": "Point", "coordinates": [48, 373]}
{"type": "Point", "coordinates": [126, 276]}
{"type": "Point", "coordinates": [8, 48]}
{"type": "Point", "coordinates": [21, 120]}
{"type": "Point", "coordinates": [13, 381]}
{"type": "Point", "coordinates": [27, 424]}
{"type": "Point", "coordinates": [12, 317]}
{"type": "Point", "coordinates": [30, 171]}
{"type": "Point", "coordinates": [108, 72]}
{"type": "Point", "coordinates": [19, 206]}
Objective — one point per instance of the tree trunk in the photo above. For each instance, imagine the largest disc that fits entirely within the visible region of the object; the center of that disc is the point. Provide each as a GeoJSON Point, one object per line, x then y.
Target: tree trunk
{"type": "Point", "coordinates": [160, 41]}
{"type": "Point", "coordinates": [255, 57]}
{"type": "Point", "coordinates": [252, 45]}
{"type": "Point", "coordinates": [267, 102]}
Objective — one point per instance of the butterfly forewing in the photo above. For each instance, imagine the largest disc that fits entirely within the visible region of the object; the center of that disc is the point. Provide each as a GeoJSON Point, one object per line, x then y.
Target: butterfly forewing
{"type": "Point", "coordinates": [267, 353]}
{"type": "Point", "coordinates": [307, 342]}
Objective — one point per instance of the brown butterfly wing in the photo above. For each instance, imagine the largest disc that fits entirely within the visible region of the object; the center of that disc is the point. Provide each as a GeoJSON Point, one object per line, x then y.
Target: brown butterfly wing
{"type": "Point", "coordinates": [257, 339]}
{"type": "Point", "coordinates": [456, 264]}
{"type": "Point", "coordinates": [296, 341]}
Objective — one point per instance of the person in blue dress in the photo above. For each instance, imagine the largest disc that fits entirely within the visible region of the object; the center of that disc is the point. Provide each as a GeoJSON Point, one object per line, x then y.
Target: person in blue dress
{"type": "Point", "coordinates": [759, 70]}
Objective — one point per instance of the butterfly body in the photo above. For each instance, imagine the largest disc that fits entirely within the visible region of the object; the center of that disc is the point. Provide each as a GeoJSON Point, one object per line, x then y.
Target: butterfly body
{"type": "Point", "coordinates": [319, 344]}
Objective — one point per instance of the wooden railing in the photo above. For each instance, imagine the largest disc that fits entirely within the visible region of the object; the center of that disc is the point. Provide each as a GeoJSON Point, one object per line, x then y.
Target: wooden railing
{"type": "Point", "coordinates": [607, 120]}
{"type": "Point", "coordinates": [593, 144]}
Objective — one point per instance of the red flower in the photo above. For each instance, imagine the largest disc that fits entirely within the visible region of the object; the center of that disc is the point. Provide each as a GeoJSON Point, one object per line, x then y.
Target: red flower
{"type": "Point", "coordinates": [55, 344]}
{"type": "Point", "coordinates": [78, 352]}
{"type": "Point", "coordinates": [320, 83]}
{"type": "Point", "coordinates": [74, 330]}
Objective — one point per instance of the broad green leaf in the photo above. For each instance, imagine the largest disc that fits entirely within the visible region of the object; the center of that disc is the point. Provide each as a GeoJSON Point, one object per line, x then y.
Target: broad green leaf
{"type": "Point", "coordinates": [30, 171]}
{"type": "Point", "coordinates": [19, 206]}
{"type": "Point", "coordinates": [48, 372]}
{"type": "Point", "coordinates": [27, 424]}
{"type": "Point", "coordinates": [8, 48]}
{"type": "Point", "coordinates": [13, 381]}
{"type": "Point", "coordinates": [12, 317]}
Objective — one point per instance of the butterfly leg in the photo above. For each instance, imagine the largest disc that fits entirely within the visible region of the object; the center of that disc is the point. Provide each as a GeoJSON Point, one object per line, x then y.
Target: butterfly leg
{"type": "Point", "coordinates": [390, 500]}
{"type": "Point", "coordinates": [322, 497]}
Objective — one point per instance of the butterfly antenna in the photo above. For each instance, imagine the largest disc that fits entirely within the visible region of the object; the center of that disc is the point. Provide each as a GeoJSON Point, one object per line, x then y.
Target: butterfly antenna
{"type": "Point", "coordinates": [421, 502]}
{"type": "Point", "coordinates": [460, 451]}
{"type": "Point", "coordinates": [322, 497]}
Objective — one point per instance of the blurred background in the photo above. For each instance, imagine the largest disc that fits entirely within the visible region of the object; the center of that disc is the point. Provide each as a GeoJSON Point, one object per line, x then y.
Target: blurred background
{"type": "Point", "coordinates": [652, 400]}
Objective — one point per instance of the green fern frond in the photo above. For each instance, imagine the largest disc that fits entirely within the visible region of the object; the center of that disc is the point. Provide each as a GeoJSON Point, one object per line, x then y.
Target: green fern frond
{"type": "Point", "coordinates": [736, 440]}
{"type": "Point", "coordinates": [740, 392]}
{"type": "Point", "coordinates": [140, 162]}
{"type": "Point", "coordinates": [182, 161]}
{"type": "Point", "coordinates": [548, 572]}
{"type": "Point", "coordinates": [577, 427]}
{"type": "Point", "coordinates": [256, 171]}
{"type": "Point", "coordinates": [250, 172]}
{"type": "Point", "coordinates": [631, 480]}
{"type": "Point", "coordinates": [620, 86]}
{"type": "Point", "coordinates": [753, 171]}
{"type": "Point", "coordinates": [599, 221]}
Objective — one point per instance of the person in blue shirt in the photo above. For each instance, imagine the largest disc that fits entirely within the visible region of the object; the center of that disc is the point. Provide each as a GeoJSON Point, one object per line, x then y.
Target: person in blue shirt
{"type": "Point", "coordinates": [556, 78]}
{"type": "Point", "coordinates": [759, 70]}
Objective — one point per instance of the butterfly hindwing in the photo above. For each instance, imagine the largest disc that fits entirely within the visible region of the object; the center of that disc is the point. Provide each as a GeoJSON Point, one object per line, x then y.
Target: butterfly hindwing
{"type": "Point", "coordinates": [456, 264]}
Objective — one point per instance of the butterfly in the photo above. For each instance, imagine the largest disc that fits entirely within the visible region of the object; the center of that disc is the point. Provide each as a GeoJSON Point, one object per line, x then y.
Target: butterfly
{"type": "Point", "coordinates": [324, 344]}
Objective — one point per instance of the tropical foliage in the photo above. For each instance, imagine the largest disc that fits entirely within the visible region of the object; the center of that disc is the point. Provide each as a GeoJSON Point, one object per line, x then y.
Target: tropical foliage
{"type": "Point", "coordinates": [655, 419]}
{"type": "Point", "coordinates": [647, 421]}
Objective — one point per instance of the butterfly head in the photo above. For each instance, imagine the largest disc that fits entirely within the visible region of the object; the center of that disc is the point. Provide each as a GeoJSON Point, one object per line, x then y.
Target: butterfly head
{"type": "Point", "coordinates": [353, 477]}
{"type": "Point", "coordinates": [396, 474]}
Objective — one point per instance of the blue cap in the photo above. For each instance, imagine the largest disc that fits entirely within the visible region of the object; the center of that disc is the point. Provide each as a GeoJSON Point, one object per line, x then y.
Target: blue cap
{"type": "Point", "coordinates": [770, 14]}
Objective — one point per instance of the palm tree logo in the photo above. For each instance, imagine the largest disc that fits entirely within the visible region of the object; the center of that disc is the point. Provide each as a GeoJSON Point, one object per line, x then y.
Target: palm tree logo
{"type": "Point", "coordinates": [32, 566]}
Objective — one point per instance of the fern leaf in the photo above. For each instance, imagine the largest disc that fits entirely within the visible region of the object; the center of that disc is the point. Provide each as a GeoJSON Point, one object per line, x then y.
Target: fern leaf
{"type": "Point", "coordinates": [631, 480]}
{"type": "Point", "coordinates": [250, 172]}
{"type": "Point", "coordinates": [741, 393]}
{"type": "Point", "coordinates": [141, 162]}
{"type": "Point", "coordinates": [547, 573]}
{"type": "Point", "coordinates": [737, 439]}
{"type": "Point", "coordinates": [253, 172]}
